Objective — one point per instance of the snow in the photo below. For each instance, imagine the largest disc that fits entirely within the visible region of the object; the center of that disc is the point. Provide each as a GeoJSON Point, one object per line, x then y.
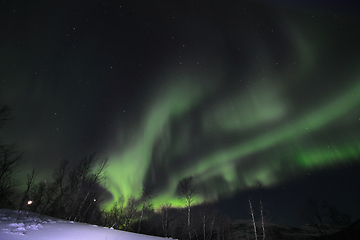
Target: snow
{"type": "Point", "coordinates": [32, 226]}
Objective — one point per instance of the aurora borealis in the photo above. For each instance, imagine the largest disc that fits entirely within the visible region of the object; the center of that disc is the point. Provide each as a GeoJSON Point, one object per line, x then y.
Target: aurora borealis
{"type": "Point", "coordinates": [226, 163]}
{"type": "Point", "coordinates": [229, 93]}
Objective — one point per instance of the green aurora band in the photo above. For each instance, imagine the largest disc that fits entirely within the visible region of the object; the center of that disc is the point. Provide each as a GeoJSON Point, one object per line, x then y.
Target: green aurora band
{"type": "Point", "coordinates": [269, 146]}
{"type": "Point", "coordinates": [128, 174]}
{"type": "Point", "coordinates": [128, 170]}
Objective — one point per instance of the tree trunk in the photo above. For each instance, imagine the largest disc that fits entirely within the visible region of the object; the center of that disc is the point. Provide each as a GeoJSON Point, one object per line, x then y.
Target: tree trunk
{"type": "Point", "coordinates": [262, 217]}
{"type": "Point", "coordinates": [253, 218]}
{"type": "Point", "coordinates": [141, 216]}
{"type": "Point", "coordinates": [189, 221]}
{"type": "Point", "coordinates": [204, 226]}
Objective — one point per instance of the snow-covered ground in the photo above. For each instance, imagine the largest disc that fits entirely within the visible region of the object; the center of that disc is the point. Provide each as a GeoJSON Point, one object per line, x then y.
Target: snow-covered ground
{"type": "Point", "coordinates": [31, 226]}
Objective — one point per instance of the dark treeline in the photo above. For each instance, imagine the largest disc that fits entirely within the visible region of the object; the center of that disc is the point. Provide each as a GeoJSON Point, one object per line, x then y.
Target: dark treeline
{"type": "Point", "coordinates": [73, 193]}
{"type": "Point", "coordinates": [206, 223]}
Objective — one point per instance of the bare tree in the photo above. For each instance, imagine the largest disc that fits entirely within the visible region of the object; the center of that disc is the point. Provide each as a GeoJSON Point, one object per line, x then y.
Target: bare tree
{"type": "Point", "coordinates": [224, 228]}
{"type": "Point", "coordinates": [9, 158]}
{"type": "Point", "coordinates": [84, 186]}
{"type": "Point", "coordinates": [115, 217]}
{"type": "Point", "coordinates": [341, 220]}
{"type": "Point", "coordinates": [50, 196]}
{"type": "Point", "coordinates": [30, 180]}
{"type": "Point", "coordinates": [252, 215]}
{"type": "Point", "coordinates": [121, 214]}
{"type": "Point", "coordinates": [95, 179]}
{"type": "Point", "coordinates": [214, 215]}
{"type": "Point", "coordinates": [314, 214]}
{"type": "Point", "coordinates": [77, 180]}
{"type": "Point", "coordinates": [37, 195]}
{"type": "Point", "coordinates": [208, 219]}
{"type": "Point", "coordinates": [130, 210]}
{"type": "Point", "coordinates": [147, 194]}
{"type": "Point", "coordinates": [204, 219]}
{"type": "Point", "coordinates": [262, 210]}
{"type": "Point", "coordinates": [165, 218]}
{"type": "Point", "coordinates": [187, 192]}
{"type": "Point", "coordinates": [56, 208]}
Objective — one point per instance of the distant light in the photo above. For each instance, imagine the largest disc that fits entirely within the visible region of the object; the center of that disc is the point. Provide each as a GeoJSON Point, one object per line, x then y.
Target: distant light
{"type": "Point", "coordinates": [29, 202]}
{"type": "Point", "coordinates": [94, 200]}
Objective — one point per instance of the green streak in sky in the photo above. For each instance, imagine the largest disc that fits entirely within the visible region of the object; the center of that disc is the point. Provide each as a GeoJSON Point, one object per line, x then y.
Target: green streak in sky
{"type": "Point", "coordinates": [220, 163]}
{"type": "Point", "coordinates": [270, 145]}
{"type": "Point", "coordinates": [128, 168]}
{"type": "Point", "coordinates": [260, 105]}
{"type": "Point", "coordinates": [318, 157]}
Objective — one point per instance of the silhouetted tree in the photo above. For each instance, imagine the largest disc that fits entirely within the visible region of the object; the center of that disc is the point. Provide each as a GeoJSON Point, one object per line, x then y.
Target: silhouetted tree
{"type": "Point", "coordinates": [187, 192]}
{"type": "Point", "coordinates": [176, 222]}
{"type": "Point", "coordinates": [147, 194]}
{"type": "Point", "coordinates": [37, 195]}
{"type": "Point", "coordinates": [318, 213]}
{"type": "Point", "coordinates": [30, 180]}
{"type": "Point", "coordinates": [130, 211]}
{"type": "Point", "coordinates": [165, 218]}
{"type": "Point", "coordinates": [208, 219]}
{"type": "Point", "coordinates": [252, 215]}
{"type": "Point", "coordinates": [57, 205]}
{"type": "Point", "coordinates": [84, 187]}
{"type": "Point", "coordinates": [116, 216]}
{"type": "Point", "coordinates": [49, 198]}
{"type": "Point", "coordinates": [224, 228]}
{"type": "Point", "coordinates": [121, 215]}
{"type": "Point", "coordinates": [9, 158]}
{"type": "Point", "coordinates": [261, 206]}
{"type": "Point", "coordinates": [339, 219]}
{"type": "Point", "coordinates": [264, 215]}
{"type": "Point", "coordinates": [314, 214]}
{"type": "Point", "coordinates": [94, 190]}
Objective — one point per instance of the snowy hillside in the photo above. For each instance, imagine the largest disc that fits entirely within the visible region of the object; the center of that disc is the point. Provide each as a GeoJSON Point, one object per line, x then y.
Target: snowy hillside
{"type": "Point", "coordinates": [31, 226]}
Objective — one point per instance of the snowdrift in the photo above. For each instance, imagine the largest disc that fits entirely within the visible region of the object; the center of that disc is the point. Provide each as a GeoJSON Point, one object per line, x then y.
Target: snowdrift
{"type": "Point", "coordinates": [32, 226]}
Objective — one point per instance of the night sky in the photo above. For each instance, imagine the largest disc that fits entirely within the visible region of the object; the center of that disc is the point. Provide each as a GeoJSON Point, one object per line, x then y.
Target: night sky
{"type": "Point", "coordinates": [229, 92]}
